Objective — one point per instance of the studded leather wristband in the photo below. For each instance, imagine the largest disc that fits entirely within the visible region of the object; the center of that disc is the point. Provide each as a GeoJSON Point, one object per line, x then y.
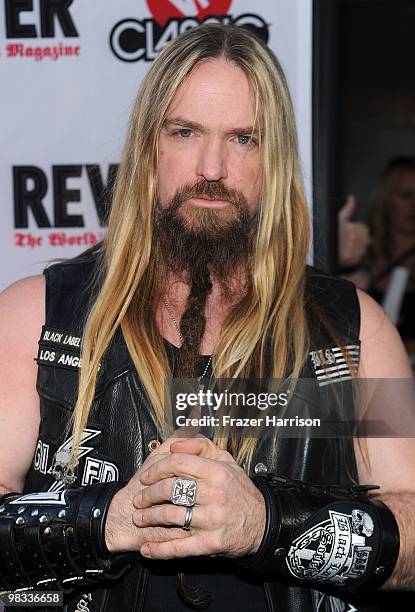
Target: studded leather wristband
{"type": "Point", "coordinates": [57, 539]}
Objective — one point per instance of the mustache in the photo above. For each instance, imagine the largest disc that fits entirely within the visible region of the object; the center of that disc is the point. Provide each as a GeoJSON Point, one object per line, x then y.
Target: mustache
{"type": "Point", "coordinates": [215, 190]}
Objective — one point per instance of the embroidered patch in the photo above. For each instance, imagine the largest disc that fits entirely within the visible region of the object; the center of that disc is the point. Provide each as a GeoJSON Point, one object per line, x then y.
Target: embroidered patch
{"type": "Point", "coordinates": [58, 357]}
{"type": "Point", "coordinates": [333, 550]}
{"type": "Point", "coordinates": [59, 348]}
{"type": "Point", "coordinates": [94, 470]}
{"type": "Point", "coordinates": [59, 337]}
{"type": "Point", "coordinates": [332, 364]}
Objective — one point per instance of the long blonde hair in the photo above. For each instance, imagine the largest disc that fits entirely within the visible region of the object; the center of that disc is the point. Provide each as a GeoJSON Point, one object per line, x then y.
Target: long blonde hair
{"type": "Point", "coordinates": [272, 314]}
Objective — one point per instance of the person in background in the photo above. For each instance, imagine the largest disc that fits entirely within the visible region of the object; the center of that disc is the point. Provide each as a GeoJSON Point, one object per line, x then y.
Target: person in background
{"type": "Point", "coordinates": [392, 223]}
{"type": "Point", "coordinates": [387, 241]}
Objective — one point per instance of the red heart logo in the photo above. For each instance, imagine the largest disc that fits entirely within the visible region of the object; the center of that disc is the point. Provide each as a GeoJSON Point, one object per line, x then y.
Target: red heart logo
{"type": "Point", "coordinates": [163, 10]}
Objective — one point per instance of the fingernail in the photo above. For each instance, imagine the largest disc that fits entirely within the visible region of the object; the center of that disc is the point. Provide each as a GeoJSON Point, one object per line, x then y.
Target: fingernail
{"type": "Point", "coordinates": [144, 476]}
{"type": "Point", "coordinates": [145, 550]}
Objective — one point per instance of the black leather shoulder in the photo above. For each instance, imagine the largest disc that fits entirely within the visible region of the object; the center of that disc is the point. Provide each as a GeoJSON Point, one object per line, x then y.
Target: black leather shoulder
{"type": "Point", "coordinates": [332, 308]}
{"type": "Point", "coordinates": [71, 287]}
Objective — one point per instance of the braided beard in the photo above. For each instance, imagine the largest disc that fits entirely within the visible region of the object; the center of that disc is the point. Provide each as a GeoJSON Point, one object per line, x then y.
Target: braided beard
{"type": "Point", "coordinates": [203, 243]}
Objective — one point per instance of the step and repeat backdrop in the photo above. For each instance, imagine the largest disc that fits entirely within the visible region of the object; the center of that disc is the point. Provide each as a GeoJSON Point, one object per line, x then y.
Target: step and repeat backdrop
{"type": "Point", "coordinates": [69, 71]}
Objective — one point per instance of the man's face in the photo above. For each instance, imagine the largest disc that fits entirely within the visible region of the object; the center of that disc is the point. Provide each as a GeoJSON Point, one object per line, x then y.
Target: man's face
{"type": "Point", "coordinates": [206, 141]}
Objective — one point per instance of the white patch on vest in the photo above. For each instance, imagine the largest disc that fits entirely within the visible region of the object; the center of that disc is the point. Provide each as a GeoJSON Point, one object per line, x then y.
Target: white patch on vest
{"type": "Point", "coordinates": [64, 338]}
{"type": "Point", "coordinates": [330, 365]}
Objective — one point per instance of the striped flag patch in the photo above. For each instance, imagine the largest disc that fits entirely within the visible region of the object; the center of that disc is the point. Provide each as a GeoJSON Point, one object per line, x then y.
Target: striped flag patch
{"type": "Point", "coordinates": [334, 364]}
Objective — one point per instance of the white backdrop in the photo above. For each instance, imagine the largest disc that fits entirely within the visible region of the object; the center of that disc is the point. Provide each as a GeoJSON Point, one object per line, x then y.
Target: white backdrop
{"type": "Point", "coordinates": [69, 72]}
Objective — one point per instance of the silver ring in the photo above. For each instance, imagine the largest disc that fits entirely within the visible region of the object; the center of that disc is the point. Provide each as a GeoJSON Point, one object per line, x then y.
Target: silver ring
{"type": "Point", "coordinates": [188, 518]}
{"type": "Point", "coordinates": [183, 492]}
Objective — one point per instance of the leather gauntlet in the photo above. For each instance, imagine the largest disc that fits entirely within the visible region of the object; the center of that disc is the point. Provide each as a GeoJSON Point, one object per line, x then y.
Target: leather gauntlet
{"type": "Point", "coordinates": [329, 536]}
{"type": "Point", "coordinates": [57, 539]}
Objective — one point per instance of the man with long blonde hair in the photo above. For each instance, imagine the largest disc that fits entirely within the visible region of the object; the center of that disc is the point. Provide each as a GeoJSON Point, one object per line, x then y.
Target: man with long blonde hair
{"type": "Point", "coordinates": [202, 273]}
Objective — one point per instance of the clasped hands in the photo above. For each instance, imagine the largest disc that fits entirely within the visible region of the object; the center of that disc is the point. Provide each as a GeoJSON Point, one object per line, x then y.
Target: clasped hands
{"type": "Point", "coordinates": [228, 516]}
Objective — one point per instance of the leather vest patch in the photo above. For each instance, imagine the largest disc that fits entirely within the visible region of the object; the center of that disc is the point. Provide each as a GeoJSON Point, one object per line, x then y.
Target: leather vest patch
{"type": "Point", "coordinates": [92, 469]}
{"type": "Point", "coordinates": [59, 348]}
{"type": "Point", "coordinates": [59, 337]}
{"type": "Point", "coordinates": [335, 364]}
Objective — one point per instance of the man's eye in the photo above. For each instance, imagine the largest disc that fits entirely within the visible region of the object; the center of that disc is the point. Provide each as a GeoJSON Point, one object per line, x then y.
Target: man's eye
{"type": "Point", "coordinates": [244, 139]}
{"type": "Point", "coordinates": [184, 132]}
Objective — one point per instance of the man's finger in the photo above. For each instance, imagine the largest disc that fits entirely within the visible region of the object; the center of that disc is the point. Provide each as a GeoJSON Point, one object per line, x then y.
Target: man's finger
{"type": "Point", "coordinates": [157, 493]}
{"type": "Point", "coordinates": [162, 534]}
{"type": "Point", "coordinates": [165, 515]}
{"type": "Point", "coordinates": [164, 447]}
{"type": "Point", "coordinates": [151, 460]}
{"type": "Point", "coordinates": [194, 546]}
{"type": "Point", "coordinates": [200, 446]}
{"type": "Point", "coordinates": [162, 515]}
{"type": "Point", "coordinates": [160, 492]}
{"type": "Point", "coordinates": [179, 464]}
{"type": "Point", "coordinates": [162, 451]}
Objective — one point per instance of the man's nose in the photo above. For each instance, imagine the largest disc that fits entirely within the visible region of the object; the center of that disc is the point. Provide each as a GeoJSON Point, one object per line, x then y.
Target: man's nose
{"type": "Point", "coordinates": [212, 163]}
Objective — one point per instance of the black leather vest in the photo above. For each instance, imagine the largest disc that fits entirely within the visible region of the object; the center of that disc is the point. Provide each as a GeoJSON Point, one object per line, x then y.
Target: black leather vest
{"type": "Point", "coordinates": [121, 426]}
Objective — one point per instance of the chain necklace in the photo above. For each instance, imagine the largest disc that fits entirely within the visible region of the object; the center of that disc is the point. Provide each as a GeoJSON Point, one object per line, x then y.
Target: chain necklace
{"type": "Point", "coordinates": [179, 333]}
